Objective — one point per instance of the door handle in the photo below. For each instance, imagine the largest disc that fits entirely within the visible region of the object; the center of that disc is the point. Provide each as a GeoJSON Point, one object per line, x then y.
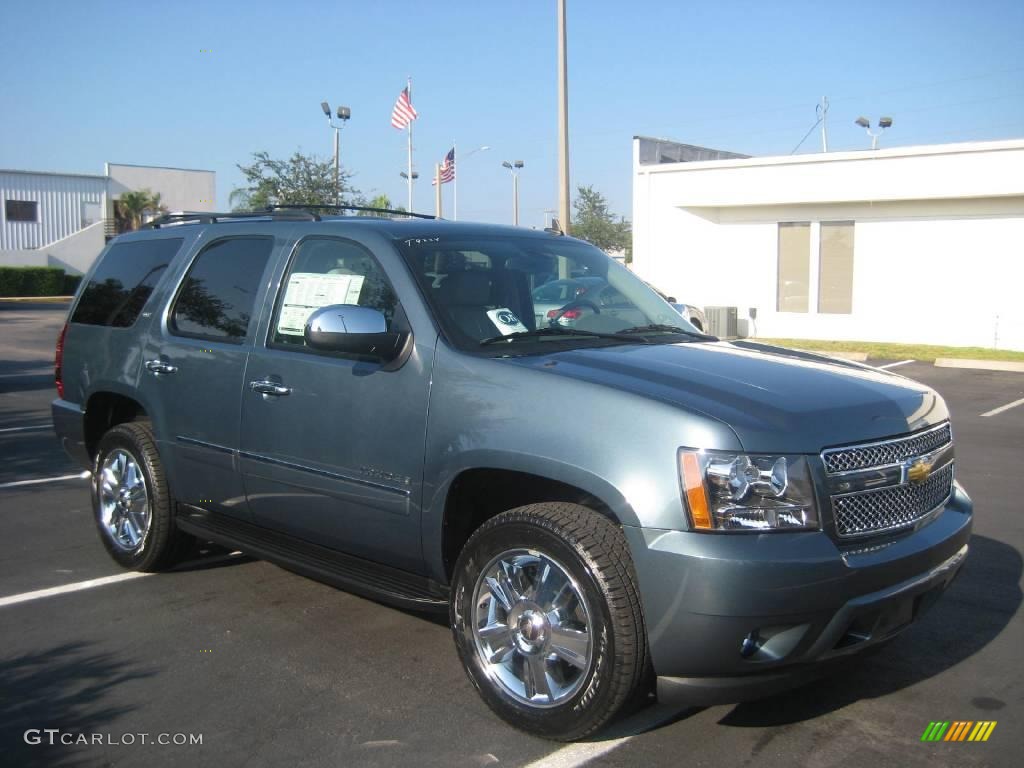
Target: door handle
{"type": "Point", "coordinates": [159, 366]}
{"type": "Point", "coordinates": [265, 387]}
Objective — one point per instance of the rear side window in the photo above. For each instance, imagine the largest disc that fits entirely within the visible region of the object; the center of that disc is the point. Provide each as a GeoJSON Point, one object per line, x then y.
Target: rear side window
{"type": "Point", "coordinates": [123, 281]}
{"type": "Point", "coordinates": [217, 297]}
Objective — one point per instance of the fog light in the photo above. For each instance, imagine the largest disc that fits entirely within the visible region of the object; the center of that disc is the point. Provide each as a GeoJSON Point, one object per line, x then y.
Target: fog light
{"type": "Point", "coordinates": [751, 644]}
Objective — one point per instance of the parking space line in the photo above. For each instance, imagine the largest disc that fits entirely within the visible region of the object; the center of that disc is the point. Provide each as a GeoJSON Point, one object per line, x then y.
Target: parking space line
{"type": "Point", "coordinates": [41, 480]}
{"type": "Point", "coordinates": [581, 753]}
{"type": "Point", "coordinates": [78, 586]}
{"type": "Point", "coordinates": [27, 429]}
{"type": "Point", "coordinates": [894, 365]}
{"type": "Point", "coordinates": [578, 754]}
{"type": "Point", "coordinates": [1000, 409]}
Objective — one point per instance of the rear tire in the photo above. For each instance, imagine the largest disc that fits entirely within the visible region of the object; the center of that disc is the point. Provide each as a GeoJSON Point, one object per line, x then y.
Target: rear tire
{"type": "Point", "coordinates": [132, 503]}
{"type": "Point", "coordinates": [547, 621]}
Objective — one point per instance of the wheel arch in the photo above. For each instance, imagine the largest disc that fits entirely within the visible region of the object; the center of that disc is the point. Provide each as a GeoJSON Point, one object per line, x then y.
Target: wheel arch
{"type": "Point", "coordinates": [477, 492]}
{"type": "Point", "coordinates": [107, 408]}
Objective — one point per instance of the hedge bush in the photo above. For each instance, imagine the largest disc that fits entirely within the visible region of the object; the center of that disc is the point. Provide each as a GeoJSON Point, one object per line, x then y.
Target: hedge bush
{"type": "Point", "coordinates": [32, 281]}
{"type": "Point", "coordinates": [70, 285]}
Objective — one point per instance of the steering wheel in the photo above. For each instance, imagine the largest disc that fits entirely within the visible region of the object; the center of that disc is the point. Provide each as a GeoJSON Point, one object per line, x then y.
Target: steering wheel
{"type": "Point", "coordinates": [574, 305]}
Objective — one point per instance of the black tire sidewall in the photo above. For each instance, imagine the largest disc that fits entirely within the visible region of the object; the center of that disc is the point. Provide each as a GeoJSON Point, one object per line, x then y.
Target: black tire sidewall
{"type": "Point", "coordinates": [156, 539]}
{"type": "Point", "coordinates": [590, 704]}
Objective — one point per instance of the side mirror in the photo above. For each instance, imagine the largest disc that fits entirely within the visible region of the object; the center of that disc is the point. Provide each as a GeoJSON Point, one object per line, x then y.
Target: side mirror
{"type": "Point", "coordinates": [353, 330]}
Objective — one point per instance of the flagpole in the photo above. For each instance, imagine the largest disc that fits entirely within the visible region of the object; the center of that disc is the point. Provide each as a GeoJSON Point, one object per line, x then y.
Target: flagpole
{"type": "Point", "coordinates": [455, 184]}
{"type": "Point", "coordinates": [409, 179]}
{"type": "Point", "coordinates": [437, 190]}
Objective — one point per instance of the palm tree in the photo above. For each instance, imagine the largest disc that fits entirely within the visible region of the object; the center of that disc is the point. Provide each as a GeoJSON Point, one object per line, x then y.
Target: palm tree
{"type": "Point", "coordinates": [134, 204]}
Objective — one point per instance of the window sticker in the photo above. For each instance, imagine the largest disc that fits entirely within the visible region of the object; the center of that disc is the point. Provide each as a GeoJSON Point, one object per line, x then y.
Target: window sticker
{"type": "Point", "coordinates": [308, 291]}
{"type": "Point", "coordinates": [505, 321]}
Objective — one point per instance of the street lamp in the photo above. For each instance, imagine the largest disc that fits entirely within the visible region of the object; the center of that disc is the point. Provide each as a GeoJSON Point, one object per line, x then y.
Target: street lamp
{"type": "Point", "coordinates": [455, 181]}
{"type": "Point", "coordinates": [514, 170]}
{"type": "Point", "coordinates": [344, 113]}
{"type": "Point", "coordinates": [883, 123]}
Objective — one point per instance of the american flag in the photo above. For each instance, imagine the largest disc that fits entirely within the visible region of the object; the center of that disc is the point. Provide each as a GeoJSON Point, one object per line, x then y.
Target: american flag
{"type": "Point", "coordinates": [403, 113]}
{"type": "Point", "coordinates": [447, 168]}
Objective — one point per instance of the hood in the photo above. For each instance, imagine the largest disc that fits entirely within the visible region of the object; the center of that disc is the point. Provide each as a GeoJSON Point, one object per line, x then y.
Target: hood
{"type": "Point", "coordinates": [775, 400]}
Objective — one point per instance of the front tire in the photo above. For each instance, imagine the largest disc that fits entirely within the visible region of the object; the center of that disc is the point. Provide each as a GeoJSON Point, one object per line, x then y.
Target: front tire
{"type": "Point", "coordinates": [547, 620]}
{"type": "Point", "coordinates": [132, 503]}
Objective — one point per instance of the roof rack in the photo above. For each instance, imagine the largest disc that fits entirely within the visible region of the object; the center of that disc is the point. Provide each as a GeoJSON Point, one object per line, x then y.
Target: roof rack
{"type": "Point", "coordinates": [212, 217]}
{"type": "Point", "coordinates": [364, 208]}
{"type": "Point", "coordinates": [290, 212]}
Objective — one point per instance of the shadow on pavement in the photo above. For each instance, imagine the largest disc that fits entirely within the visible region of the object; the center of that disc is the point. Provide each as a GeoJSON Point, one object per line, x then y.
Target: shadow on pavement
{"type": "Point", "coordinates": [62, 687]}
{"type": "Point", "coordinates": [972, 613]}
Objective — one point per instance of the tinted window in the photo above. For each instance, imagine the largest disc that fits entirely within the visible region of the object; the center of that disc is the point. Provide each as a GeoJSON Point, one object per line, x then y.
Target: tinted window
{"type": "Point", "coordinates": [794, 266]}
{"type": "Point", "coordinates": [123, 281]}
{"type": "Point", "coordinates": [327, 271]}
{"type": "Point", "coordinates": [21, 210]}
{"type": "Point", "coordinates": [216, 300]}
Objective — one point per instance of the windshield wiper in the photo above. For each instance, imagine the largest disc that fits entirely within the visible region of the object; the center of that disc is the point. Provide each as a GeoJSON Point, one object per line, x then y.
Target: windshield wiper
{"type": "Point", "coordinates": [562, 331]}
{"type": "Point", "coordinates": [669, 329]}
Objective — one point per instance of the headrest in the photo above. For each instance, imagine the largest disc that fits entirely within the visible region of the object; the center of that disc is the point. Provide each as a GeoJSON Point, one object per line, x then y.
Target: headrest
{"type": "Point", "coordinates": [471, 288]}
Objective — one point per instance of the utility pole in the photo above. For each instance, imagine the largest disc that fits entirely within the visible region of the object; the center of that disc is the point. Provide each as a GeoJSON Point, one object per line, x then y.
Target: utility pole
{"type": "Point", "coordinates": [563, 124]}
{"type": "Point", "coordinates": [823, 113]}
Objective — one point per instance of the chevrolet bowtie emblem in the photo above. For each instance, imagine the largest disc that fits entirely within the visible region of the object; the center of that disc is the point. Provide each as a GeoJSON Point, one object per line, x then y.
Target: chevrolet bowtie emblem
{"type": "Point", "coordinates": [919, 471]}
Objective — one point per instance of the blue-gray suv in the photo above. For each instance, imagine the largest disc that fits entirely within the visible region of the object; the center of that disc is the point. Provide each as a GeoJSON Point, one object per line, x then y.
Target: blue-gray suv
{"type": "Point", "coordinates": [603, 506]}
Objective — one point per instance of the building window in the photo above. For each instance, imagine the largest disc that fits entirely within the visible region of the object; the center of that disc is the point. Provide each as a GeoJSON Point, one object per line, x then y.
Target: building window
{"type": "Point", "coordinates": [794, 266]}
{"type": "Point", "coordinates": [835, 268]}
{"type": "Point", "coordinates": [21, 210]}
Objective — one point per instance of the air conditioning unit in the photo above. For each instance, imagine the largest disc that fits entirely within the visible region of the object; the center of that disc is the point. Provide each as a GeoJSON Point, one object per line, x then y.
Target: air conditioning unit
{"type": "Point", "coordinates": [722, 321]}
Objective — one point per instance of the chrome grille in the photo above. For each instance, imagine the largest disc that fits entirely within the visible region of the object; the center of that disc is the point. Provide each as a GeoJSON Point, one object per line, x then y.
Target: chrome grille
{"type": "Point", "coordinates": [885, 453]}
{"type": "Point", "coordinates": [887, 509]}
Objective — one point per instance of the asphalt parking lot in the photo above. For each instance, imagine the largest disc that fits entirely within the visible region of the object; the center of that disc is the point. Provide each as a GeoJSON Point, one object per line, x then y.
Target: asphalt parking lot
{"type": "Point", "coordinates": [274, 669]}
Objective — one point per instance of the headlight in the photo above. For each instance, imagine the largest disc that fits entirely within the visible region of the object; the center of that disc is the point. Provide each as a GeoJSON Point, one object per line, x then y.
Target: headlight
{"type": "Point", "coordinates": [746, 492]}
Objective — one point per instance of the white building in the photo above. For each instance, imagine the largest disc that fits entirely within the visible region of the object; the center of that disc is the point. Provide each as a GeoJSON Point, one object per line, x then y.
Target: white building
{"type": "Point", "coordinates": [911, 244]}
{"type": "Point", "coordinates": [64, 219]}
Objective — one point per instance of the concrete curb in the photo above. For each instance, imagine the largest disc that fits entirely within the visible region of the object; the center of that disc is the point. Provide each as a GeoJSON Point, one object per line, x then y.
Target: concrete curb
{"type": "Point", "coordinates": [981, 365]}
{"type": "Point", "coordinates": [30, 299]}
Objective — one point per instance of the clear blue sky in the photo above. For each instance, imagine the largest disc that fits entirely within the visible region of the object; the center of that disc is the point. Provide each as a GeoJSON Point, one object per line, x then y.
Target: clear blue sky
{"type": "Point", "coordinates": [85, 83]}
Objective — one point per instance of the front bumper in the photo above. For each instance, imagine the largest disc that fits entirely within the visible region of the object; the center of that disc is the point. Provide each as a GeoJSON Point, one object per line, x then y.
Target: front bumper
{"type": "Point", "coordinates": [733, 617]}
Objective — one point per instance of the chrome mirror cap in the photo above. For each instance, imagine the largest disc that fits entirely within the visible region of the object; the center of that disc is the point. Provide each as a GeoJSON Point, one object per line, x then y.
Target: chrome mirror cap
{"type": "Point", "coordinates": [353, 330]}
{"type": "Point", "coordinates": [344, 319]}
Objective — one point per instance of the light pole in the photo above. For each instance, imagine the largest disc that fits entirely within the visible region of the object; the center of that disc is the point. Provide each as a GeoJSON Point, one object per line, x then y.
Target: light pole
{"type": "Point", "coordinates": [514, 170]}
{"type": "Point", "coordinates": [455, 181]}
{"type": "Point", "coordinates": [415, 175]}
{"type": "Point", "coordinates": [883, 123]}
{"type": "Point", "coordinates": [344, 113]}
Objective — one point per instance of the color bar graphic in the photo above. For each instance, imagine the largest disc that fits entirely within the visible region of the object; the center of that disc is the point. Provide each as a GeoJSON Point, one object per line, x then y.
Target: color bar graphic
{"type": "Point", "coordinates": [958, 730]}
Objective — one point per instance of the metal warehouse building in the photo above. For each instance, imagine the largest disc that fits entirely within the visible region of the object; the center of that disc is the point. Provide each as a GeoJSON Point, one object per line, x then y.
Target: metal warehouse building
{"type": "Point", "coordinates": [912, 244]}
{"type": "Point", "coordinates": [64, 219]}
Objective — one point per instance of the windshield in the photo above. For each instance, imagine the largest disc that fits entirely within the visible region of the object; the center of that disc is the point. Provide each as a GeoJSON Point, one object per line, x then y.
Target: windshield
{"type": "Point", "coordinates": [483, 287]}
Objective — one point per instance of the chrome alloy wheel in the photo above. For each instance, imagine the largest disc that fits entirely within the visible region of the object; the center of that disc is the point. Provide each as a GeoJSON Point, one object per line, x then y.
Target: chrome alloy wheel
{"type": "Point", "coordinates": [124, 510]}
{"type": "Point", "coordinates": [532, 628]}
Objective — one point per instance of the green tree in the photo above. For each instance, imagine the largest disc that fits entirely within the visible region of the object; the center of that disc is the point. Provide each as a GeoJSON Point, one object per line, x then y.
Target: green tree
{"type": "Point", "coordinates": [596, 224]}
{"type": "Point", "coordinates": [299, 180]}
{"type": "Point", "coordinates": [379, 201]}
{"type": "Point", "coordinates": [132, 205]}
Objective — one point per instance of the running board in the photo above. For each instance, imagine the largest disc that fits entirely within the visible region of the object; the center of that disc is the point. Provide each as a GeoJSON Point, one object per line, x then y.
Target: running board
{"type": "Point", "coordinates": [348, 572]}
